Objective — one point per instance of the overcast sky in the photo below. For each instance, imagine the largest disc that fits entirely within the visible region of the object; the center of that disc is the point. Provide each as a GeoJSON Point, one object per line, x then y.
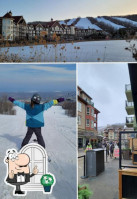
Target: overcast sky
{"type": "Point", "coordinates": [105, 83]}
{"type": "Point", "coordinates": [33, 10]}
{"type": "Point", "coordinates": [37, 77]}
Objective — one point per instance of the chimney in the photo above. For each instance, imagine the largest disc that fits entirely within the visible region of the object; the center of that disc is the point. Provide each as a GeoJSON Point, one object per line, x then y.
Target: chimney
{"type": "Point", "coordinates": [51, 19]}
{"type": "Point", "coordinates": [10, 13]}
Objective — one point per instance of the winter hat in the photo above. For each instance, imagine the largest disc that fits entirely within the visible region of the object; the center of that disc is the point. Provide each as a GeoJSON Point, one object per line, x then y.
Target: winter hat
{"type": "Point", "coordinates": [36, 98]}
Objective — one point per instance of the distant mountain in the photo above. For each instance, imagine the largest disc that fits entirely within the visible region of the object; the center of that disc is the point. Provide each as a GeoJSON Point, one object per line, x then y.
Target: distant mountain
{"type": "Point", "coordinates": [116, 125]}
{"type": "Point", "coordinates": [46, 96]}
{"type": "Point", "coordinates": [106, 23]}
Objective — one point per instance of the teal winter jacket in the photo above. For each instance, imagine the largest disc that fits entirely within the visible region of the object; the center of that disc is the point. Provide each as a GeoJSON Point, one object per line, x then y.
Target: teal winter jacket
{"type": "Point", "coordinates": [34, 116]}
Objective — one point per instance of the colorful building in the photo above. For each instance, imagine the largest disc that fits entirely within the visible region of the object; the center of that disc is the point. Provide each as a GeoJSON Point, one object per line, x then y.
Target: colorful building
{"type": "Point", "coordinates": [87, 119]}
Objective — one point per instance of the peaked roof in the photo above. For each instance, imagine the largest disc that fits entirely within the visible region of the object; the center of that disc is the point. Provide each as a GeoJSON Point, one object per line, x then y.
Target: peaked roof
{"type": "Point", "coordinates": [7, 15]}
{"type": "Point", "coordinates": [44, 24]}
{"type": "Point", "coordinates": [17, 18]}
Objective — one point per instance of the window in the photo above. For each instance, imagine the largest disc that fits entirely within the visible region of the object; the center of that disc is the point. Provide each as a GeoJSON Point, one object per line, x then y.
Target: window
{"type": "Point", "coordinates": [79, 120]}
{"type": "Point", "coordinates": [92, 124]}
{"type": "Point", "coordinates": [88, 110]}
{"type": "Point", "coordinates": [87, 122]}
{"type": "Point", "coordinates": [79, 106]}
{"type": "Point", "coordinates": [92, 112]}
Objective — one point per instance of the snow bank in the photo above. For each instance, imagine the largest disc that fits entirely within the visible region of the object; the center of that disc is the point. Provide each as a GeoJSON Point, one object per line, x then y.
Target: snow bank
{"type": "Point", "coordinates": [109, 23]}
{"type": "Point", "coordinates": [134, 23]}
{"type": "Point", "coordinates": [85, 23]}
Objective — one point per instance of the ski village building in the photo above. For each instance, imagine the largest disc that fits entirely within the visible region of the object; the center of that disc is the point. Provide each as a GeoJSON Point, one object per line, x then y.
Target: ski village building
{"type": "Point", "coordinates": [12, 27]}
{"type": "Point", "coordinates": [15, 28]}
{"type": "Point", "coordinates": [87, 119]}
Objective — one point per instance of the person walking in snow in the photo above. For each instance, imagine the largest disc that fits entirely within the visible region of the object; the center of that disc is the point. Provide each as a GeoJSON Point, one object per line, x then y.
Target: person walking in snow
{"type": "Point", "coordinates": [34, 116]}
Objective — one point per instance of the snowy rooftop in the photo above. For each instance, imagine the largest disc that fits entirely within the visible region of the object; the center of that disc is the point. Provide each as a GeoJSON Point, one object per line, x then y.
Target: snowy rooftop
{"type": "Point", "coordinates": [84, 23]}
{"type": "Point", "coordinates": [134, 23]}
{"type": "Point", "coordinates": [109, 23]}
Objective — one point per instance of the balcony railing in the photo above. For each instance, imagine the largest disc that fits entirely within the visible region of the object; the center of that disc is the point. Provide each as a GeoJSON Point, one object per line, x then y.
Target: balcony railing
{"type": "Point", "coordinates": [129, 120]}
{"type": "Point", "coordinates": [128, 87]}
{"type": "Point", "coordinates": [129, 104]}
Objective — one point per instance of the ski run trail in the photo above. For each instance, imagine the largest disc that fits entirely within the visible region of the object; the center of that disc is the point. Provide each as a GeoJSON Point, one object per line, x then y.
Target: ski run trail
{"type": "Point", "coordinates": [59, 134]}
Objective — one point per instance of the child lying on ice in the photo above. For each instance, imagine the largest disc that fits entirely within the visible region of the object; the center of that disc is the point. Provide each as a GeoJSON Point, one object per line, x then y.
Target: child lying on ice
{"type": "Point", "coordinates": [34, 116]}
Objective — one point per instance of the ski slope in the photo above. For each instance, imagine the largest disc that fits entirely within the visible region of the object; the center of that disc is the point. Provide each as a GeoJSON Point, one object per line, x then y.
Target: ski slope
{"type": "Point", "coordinates": [70, 22]}
{"type": "Point", "coordinates": [60, 137]}
{"type": "Point", "coordinates": [85, 23]}
{"type": "Point", "coordinates": [109, 23]}
{"type": "Point", "coordinates": [134, 23]}
{"type": "Point", "coordinates": [62, 22]}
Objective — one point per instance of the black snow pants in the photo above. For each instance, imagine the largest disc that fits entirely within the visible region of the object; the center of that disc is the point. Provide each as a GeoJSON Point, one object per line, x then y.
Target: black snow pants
{"type": "Point", "coordinates": [38, 134]}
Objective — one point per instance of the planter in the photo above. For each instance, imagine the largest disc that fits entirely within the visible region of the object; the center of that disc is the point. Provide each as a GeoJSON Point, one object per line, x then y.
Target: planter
{"type": "Point", "coordinates": [47, 188]}
{"type": "Point", "coordinates": [126, 154]}
{"type": "Point", "coordinates": [47, 181]}
{"type": "Point", "coordinates": [84, 192]}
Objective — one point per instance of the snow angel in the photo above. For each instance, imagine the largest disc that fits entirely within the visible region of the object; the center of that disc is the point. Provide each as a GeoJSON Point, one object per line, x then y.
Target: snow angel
{"type": "Point", "coordinates": [34, 116]}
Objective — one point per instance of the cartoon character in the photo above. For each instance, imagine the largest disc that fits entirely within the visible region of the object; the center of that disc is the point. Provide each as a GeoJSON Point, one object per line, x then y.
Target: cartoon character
{"type": "Point", "coordinates": [18, 170]}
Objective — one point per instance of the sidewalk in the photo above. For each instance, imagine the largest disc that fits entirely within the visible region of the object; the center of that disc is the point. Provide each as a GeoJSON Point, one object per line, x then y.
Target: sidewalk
{"type": "Point", "coordinates": [105, 185]}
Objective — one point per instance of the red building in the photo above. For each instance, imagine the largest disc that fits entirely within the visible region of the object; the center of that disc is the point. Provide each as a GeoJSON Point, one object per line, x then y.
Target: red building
{"type": "Point", "coordinates": [87, 119]}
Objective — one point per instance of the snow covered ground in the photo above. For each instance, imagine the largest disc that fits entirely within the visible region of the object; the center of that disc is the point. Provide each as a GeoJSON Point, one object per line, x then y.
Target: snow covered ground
{"type": "Point", "coordinates": [109, 23]}
{"type": "Point", "coordinates": [60, 137]}
{"type": "Point", "coordinates": [91, 51]}
{"type": "Point", "coordinates": [84, 23]}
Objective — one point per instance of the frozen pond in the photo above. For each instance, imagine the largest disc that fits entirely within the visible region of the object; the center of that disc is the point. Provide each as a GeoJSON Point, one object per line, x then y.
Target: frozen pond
{"type": "Point", "coordinates": [92, 51]}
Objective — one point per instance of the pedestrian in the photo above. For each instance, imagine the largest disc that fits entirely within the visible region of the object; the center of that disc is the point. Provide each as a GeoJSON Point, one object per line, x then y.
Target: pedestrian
{"type": "Point", "coordinates": [89, 147]}
{"type": "Point", "coordinates": [111, 149]}
{"type": "Point", "coordinates": [34, 116]}
{"type": "Point", "coordinates": [99, 144]}
{"type": "Point", "coordinates": [107, 148]}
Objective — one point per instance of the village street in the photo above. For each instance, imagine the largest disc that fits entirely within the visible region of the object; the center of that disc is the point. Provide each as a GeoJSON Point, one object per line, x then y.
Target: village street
{"type": "Point", "coordinates": [105, 185]}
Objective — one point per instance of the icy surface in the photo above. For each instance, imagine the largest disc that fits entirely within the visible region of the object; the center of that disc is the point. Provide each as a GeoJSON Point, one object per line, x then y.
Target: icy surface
{"type": "Point", "coordinates": [84, 23]}
{"type": "Point", "coordinates": [134, 23]}
{"type": "Point", "coordinates": [91, 51]}
{"type": "Point", "coordinates": [109, 23]}
{"type": "Point", "coordinates": [60, 137]}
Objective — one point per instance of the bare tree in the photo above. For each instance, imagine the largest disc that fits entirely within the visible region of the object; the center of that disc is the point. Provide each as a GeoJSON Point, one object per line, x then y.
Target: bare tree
{"type": "Point", "coordinates": [70, 108]}
{"type": "Point", "coordinates": [6, 107]}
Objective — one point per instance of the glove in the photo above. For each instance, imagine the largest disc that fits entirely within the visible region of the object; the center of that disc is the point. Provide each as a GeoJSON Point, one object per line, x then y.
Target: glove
{"type": "Point", "coordinates": [11, 99]}
{"type": "Point", "coordinates": [60, 99]}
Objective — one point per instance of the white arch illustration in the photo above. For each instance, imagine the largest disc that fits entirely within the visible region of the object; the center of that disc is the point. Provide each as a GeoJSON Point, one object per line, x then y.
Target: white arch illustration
{"type": "Point", "coordinates": [33, 186]}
